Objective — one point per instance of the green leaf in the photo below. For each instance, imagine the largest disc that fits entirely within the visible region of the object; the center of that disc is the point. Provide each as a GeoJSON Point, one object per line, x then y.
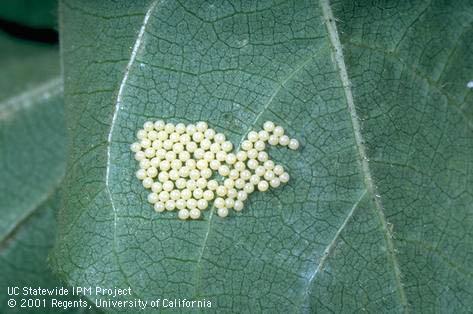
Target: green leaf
{"type": "Point", "coordinates": [32, 130]}
{"type": "Point", "coordinates": [25, 66]}
{"type": "Point", "coordinates": [23, 259]}
{"type": "Point", "coordinates": [377, 215]}
{"type": "Point", "coordinates": [32, 165]}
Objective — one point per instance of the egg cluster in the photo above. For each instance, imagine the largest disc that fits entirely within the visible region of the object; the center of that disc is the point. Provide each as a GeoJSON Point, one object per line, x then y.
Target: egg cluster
{"type": "Point", "coordinates": [177, 162]}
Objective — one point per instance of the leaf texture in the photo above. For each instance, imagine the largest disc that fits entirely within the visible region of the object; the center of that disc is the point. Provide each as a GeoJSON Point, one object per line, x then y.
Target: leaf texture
{"type": "Point", "coordinates": [377, 216]}
{"type": "Point", "coordinates": [32, 165]}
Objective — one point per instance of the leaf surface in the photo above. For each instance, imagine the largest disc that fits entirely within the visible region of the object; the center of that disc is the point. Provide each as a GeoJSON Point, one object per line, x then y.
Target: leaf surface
{"type": "Point", "coordinates": [25, 65]}
{"type": "Point", "coordinates": [377, 215]}
{"type": "Point", "coordinates": [32, 165]}
{"type": "Point", "coordinates": [32, 130]}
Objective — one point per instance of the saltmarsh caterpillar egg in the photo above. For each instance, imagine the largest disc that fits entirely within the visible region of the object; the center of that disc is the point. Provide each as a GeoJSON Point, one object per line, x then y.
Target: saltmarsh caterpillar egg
{"type": "Point", "coordinates": [178, 164]}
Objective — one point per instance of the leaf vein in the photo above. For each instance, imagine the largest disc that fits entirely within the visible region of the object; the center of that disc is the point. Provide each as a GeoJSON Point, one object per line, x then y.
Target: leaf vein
{"type": "Point", "coordinates": [334, 39]}
{"type": "Point", "coordinates": [329, 249]}
{"type": "Point", "coordinates": [264, 109]}
{"type": "Point", "coordinates": [119, 99]}
{"type": "Point", "coordinates": [29, 213]}
{"type": "Point", "coordinates": [31, 97]}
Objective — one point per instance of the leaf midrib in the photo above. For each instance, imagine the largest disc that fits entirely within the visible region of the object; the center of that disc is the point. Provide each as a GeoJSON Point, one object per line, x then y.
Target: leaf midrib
{"type": "Point", "coordinates": [332, 31]}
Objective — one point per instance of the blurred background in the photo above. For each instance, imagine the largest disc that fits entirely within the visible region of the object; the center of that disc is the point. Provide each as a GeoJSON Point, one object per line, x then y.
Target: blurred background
{"type": "Point", "coordinates": [32, 147]}
{"type": "Point", "coordinates": [28, 44]}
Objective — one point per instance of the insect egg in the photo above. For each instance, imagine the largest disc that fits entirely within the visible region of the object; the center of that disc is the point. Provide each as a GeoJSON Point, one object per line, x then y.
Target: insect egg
{"type": "Point", "coordinates": [259, 145]}
{"type": "Point", "coordinates": [284, 140]}
{"type": "Point", "coordinates": [253, 136]}
{"type": "Point", "coordinates": [252, 154]}
{"type": "Point", "coordinates": [227, 146]}
{"type": "Point", "coordinates": [284, 177]}
{"type": "Point", "coordinates": [273, 140]}
{"type": "Point", "coordinates": [260, 171]}
{"type": "Point", "coordinates": [135, 147]}
{"type": "Point", "coordinates": [239, 183]}
{"type": "Point", "coordinates": [162, 136]}
{"type": "Point", "coordinates": [156, 187]}
{"type": "Point", "coordinates": [183, 214]}
{"type": "Point", "coordinates": [202, 183]}
{"type": "Point", "coordinates": [167, 144]}
{"type": "Point", "coordinates": [206, 173]}
{"type": "Point", "coordinates": [293, 144]}
{"type": "Point", "coordinates": [174, 137]}
{"type": "Point", "coordinates": [173, 174]}
{"type": "Point", "coordinates": [233, 174]}
{"type": "Point", "coordinates": [238, 206]}
{"type": "Point", "coordinates": [263, 185]}
{"type": "Point", "coordinates": [141, 174]}
{"type": "Point", "coordinates": [177, 163]}
{"type": "Point", "coordinates": [175, 195]}
{"type": "Point", "coordinates": [140, 155]}
{"type": "Point", "coordinates": [181, 204]}
{"type": "Point", "coordinates": [255, 179]}
{"type": "Point", "coordinates": [268, 126]}
{"type": "Point", "coordinates": [230, 159]}
{"type": "Point", "coordinates": [232, 193]}
{"type": "Point", "coordinates": [222, 212]}
{"type": "Point", "coordinates": [208, 195]}
{"type": "Point", "coordinates": [242, 196]}
{"type": "Point", "coordinates": [219, 202]}
{"type": "Point", "coordinates": [164, 196]}
{"type": "Point", "coordinates": [152, 135]}
{"type": "Point", "coordinates": [169, 128]}
{"type": "Point", "coordinates": [180, 128]}
{"type": "Point", "coordinates": [142, 134]}
{"type": "Point", "coordinates": [229, 202]}
{"type": "Point", "coordinates": [263, 156]}
{"type": "Point", "coordinates": [269, 175]}
{"type": "Point", "coordinates": [275, 183]}
{"type": "Point", "coordinates": [181, 183]}
{"type": "Point", "coordinates": [221, 155]}
{"type": "Point", "coordinates": [219, 138]}
{"type": "Point", "coordinates": [278, 131]}
{"type": "Point", "coordinates": [241, 156]}
{"type": "Point", "coordinates": [194, 213]}
{"type": "Point", "coordinates": [205, 144]}
{"type": "Point", "coordinates": [224, 171]}
{"type": "Point", "coordinates": [252, 164]}
{"type": "Point", "coordinates": [197, 137]}
{"type": "Point", "coordinates": [170, 205]}
{"type": "Point", "coordinates": [249, 188]}
{"type": "Point", "coordinates": [191, 203]}
{"type": "Point", "coordinates": [246, 145]}
{"type": "Point", "coordinates": [152, 198]}
{"type": "Point", "coordinates": [145, 163]}
{"type": "Point", "coordinates": [263, 135]}
{"type": "Point", "coordinates": [221, 190]}
{"type": "Point", "coordinates": [147, 182]}
{"type": "Point", "coordinates": [229, 183]}
{"type": "Point", "coordinates": [202, 204]}
{"type": "Point", "coordinates": [212, 185]}
{"type": "Point", "coordinates": [209, 133]}
{"type": "Point", "coordinates": [159, 207]}
{"type": "Point", "coordinates": [201, 126]}
{"type": "Point", "coordinates": [159, 125]}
